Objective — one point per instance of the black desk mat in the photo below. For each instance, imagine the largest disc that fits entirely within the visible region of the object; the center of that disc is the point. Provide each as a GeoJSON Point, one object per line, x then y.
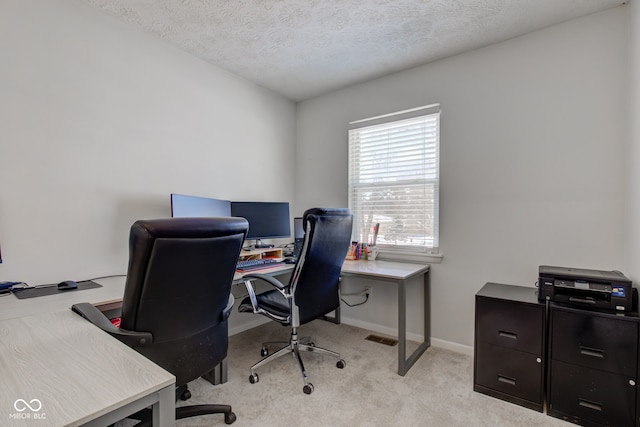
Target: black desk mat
{"type": "Point", "coordinates": [52, 289]}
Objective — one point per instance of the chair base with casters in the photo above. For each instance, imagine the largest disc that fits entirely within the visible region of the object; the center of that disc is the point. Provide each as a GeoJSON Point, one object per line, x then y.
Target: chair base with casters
{"type": "Point", "coordinates": [182, 392]}
{"type": "Point", "coordinates": [294, 346]}
{"type": "Point", "coordinates": [188, 411]}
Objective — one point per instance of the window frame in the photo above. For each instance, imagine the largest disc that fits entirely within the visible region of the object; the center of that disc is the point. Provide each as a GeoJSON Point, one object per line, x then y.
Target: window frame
{"type": "Point", "coordinates": [429, 183]}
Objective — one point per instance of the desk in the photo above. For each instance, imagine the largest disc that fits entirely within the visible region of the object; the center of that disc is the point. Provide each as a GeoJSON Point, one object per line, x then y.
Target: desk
{"type": "Point", "coordinates": [72, 373]}
{"type": "Point", "coordinates": [11, 307]}
{"type": "Point", "coordinates": [398, 272]}
{"type": "Point", "coordinates": [112, 290]}
{"type": "Point", "coordinates": [387, 271]}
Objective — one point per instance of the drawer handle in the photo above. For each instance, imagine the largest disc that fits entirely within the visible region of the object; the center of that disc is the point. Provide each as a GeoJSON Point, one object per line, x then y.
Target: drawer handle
{"type": "Point", "coordinates": [590, 405]}
{"type": "Point", "coordinates": [506, 380]}
{"type": "Point", "coordinates": [593, 352]}
{"type": "Point", "coordinates": [504, 334]}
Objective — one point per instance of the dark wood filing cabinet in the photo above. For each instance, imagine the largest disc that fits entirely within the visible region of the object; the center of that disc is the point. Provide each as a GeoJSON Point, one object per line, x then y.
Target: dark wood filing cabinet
{"type": "Point", "coordinates": [510, 345]}
{"type": "Point", "coordinates": [593, 366]}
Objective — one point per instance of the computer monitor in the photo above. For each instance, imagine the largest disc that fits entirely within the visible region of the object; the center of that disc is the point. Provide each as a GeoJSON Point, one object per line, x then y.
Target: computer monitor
{"type": "Point", "coordinates": [298, 228]}
{"type": "Point", "coordinates": [298, 236]}
{"type": "Point", "coordinates": [267, 220]}
{"type": "Point", "coordinates": [193, 206]}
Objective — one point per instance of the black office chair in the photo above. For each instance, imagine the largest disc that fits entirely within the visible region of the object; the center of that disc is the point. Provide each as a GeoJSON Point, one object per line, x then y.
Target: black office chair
{"type": "Point", "coordinates": [312, 291]}
{"type": "Point", "coordinates": [177, 298]}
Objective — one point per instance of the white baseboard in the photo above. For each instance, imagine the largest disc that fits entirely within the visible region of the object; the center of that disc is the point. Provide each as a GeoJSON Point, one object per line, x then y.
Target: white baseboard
{"type": "Point", "coordinates": [453, 346]}
{"type": "Point", "coordinates": [436, 342]}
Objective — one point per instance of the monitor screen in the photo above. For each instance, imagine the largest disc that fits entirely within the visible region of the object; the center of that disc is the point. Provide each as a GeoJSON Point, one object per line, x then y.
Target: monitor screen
{"type": "Point", "coordinates": [267, 220]}
{"type": "Point", "coordinates": [193, 206]}
{"type": "Point", "coordinates": [298, 228]}
{"type": "Point", "coordinates": [298, 235]}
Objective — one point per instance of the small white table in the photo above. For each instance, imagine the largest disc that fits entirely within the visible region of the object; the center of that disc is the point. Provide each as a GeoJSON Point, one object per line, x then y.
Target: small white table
{"type": "Point", "coordinates": [58, 369]}
{"type": "Point", "coordinates": [398, 272]}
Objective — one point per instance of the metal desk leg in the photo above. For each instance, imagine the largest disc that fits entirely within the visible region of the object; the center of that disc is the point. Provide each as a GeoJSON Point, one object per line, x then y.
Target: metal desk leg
{"type": "Point", "coordinates": [217, 375]}
{"type": "Point", "coordinates": [336, 317]}
{"type": "Point", "coordinates": [404, 363]}
{"type": "Point", "coordinates": [164, 410]}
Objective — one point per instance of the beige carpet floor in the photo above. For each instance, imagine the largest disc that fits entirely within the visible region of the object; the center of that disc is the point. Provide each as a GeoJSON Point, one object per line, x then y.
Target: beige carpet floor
{"type": "Point", "coordinates": [437, 390]}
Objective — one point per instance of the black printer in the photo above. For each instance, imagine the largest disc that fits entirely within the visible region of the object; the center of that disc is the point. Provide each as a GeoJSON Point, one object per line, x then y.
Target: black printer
{"type": "Point", "coordinates": [609, 290]}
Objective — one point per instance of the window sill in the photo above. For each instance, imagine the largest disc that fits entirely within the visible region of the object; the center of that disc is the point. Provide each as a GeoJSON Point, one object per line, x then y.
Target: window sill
{"type": "Point", "coordinates": [411, 257]}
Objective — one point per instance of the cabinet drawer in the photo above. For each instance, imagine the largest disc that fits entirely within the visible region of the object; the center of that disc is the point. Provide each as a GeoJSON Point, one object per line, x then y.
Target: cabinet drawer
{"type": "Point", "coordinates": [594, 341]}
{"type": "Point", "coordinates": [510, 324]}
{"type": "Point", "coordinates": [578, 393]}
{"type": "Point", "coordinates": [512, 372]}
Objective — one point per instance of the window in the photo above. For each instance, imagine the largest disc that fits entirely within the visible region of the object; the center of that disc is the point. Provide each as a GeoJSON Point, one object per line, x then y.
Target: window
{"type": "Point", "coordinates": [394, 177]}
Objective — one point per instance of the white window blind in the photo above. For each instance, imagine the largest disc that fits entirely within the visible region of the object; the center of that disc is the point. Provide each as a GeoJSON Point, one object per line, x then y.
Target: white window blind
{"type": "Point", "coordinates": [394, 176]}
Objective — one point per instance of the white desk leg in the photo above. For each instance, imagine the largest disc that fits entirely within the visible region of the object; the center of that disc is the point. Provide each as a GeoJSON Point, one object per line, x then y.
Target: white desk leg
{"type": "Point", "coordinates": [405, 364]}
{"type": "Point", "coordinates": [164, 410]}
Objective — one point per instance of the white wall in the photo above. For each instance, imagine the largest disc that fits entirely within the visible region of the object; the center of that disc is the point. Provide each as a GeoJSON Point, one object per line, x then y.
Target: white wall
{"type": "Point", "coordinates": [533, 139]}
{"type": "Point", "coordinates": [100, 123]}
{"type": "Point", "coordinates": [633, 156]}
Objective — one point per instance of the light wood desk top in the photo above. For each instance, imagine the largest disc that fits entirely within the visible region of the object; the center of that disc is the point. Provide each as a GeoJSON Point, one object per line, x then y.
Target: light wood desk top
{"type": "Point", "coordinates": [384, 269]}
{"type": "Point", "coordinates": [70, 372]}
{"type": "Point", "coordinates": [11, 307]}
{"type": "Point", "coordinates": [112, 290]}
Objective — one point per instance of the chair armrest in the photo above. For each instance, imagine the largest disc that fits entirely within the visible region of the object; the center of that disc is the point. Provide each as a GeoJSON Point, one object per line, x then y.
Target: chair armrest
{"type": "Point", "coordinates": [269, 279]}
{"type": "Point", "coordinates": [252, 295]}
{"type": "Point", "coordinates": [252, 292]}
{"type": "Point", "coordinates": [95, 316]}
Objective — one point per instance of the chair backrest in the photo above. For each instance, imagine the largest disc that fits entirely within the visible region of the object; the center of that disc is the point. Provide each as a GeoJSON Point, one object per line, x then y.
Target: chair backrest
{"type": "Point", "coordinates": [178, 285]}
{"type": "Point", "coordinates": [315, 279]}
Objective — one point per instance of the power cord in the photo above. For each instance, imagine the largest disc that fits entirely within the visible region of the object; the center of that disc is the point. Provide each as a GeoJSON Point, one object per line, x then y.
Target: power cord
{"type": "Point", "coordinates": [105, 277]}
{"type": "Point", "coordinates": [366, 293]}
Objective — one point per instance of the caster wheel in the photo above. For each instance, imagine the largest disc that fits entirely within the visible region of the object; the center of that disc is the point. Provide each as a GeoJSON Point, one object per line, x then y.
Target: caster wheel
{"type": "Point", "coordinates": [308, 389]}
{"type": "Point", "coordinates": [253, 378]}
{"type": "Point", "coordinates": [229, 418]}
{"type": "Point", "coordinates": [341, 364]}
{"type": "Point", "coordinates": [264, 352]}
{"type": "Point", "coordinates": [185, 396]}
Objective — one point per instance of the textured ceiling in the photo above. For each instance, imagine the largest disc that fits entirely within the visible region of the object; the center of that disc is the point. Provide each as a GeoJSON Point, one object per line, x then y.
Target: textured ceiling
{"type": "Point", "coordinates": [304, 48]}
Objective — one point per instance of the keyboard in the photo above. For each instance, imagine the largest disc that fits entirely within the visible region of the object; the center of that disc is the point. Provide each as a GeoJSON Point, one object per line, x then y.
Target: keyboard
{"type": "Point", "coordinates": [257, 264]}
